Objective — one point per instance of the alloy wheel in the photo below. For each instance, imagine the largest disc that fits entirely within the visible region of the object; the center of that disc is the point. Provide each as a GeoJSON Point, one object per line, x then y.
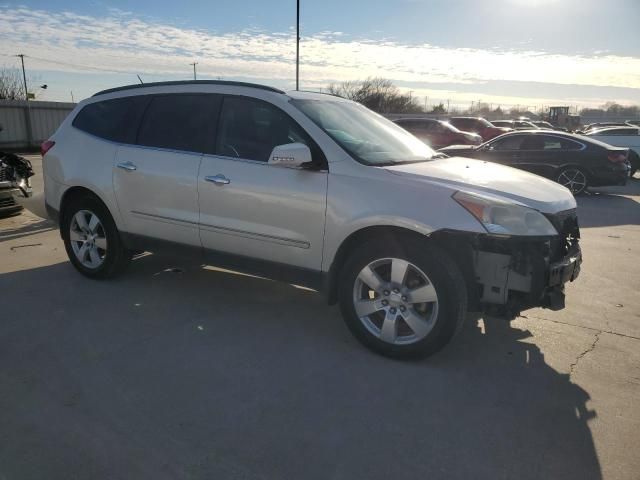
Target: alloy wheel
{"type": "Point", "coordinates": [395, 301]}
{"type": "Point", "coordinates": [574, 179]}
{"type": "Point", "coordinates": [88, 239]}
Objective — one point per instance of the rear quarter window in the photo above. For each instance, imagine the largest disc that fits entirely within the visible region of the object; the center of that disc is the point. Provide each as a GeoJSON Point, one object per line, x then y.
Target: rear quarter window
{"type": "Point", "coordinates": [115, 120]}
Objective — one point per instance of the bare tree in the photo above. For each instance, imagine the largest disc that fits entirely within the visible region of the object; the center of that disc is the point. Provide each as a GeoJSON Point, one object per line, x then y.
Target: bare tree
{"type": "Point", "coordinates": [440, 108]}
{"type": "Point", "coordinates": [378, 94]}
{"type": "Point", "coordinates": [11, 84]}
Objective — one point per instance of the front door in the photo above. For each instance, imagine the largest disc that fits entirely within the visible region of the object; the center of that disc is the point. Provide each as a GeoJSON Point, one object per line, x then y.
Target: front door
{"type": "Point", "coordinates": [252, 209]}
{"type": "Point", "coordinates": [505, 150]}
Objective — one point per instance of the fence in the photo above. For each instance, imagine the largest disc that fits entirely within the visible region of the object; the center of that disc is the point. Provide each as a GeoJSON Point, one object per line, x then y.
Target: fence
{"type": "Point", "coordinates": [27, 124]}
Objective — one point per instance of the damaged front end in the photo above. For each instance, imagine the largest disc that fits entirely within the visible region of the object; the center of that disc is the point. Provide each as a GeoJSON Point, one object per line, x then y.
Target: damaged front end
{"type": "Point", "coordinates": [516, 273]}
{"type": "Point", "coordinates": [15, 172]}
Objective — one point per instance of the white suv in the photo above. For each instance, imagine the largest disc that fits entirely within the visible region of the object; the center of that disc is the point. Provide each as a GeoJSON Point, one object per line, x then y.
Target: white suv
{"type": "Point", "coordinates": [314, 190]}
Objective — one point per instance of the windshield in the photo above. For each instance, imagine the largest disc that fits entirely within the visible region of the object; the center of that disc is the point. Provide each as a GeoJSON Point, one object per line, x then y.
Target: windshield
{"type": "Point", "coordinates": [365, 135]}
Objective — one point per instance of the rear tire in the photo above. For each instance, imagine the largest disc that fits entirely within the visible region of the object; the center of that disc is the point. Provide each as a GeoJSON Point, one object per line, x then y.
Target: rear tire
{"type": "Point", "coordinates": [91, 238]}
{"type": "Point", "coordinates": [573, 178]}
{"type": "Point", "coordinates": [402, 315]}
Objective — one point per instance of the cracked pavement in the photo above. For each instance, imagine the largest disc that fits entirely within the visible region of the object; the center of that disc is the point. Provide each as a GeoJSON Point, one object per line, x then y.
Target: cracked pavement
{"type": "Point", "coordinates": [211, 374]}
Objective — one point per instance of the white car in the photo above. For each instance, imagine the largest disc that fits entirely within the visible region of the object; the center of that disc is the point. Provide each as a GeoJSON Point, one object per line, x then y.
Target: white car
{"type": "Point", "coordinates": [314, 190]}
{"type": "Point", "coordinates": [627, 136]}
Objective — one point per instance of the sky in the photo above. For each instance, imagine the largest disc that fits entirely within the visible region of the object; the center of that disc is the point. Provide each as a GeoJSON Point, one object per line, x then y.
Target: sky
{"type": "Point", "coordinates": [502, 52]}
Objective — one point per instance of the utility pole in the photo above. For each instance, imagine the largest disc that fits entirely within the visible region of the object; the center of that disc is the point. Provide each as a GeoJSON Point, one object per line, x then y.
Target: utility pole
{"type": "Point", "coordinates": [297, 44]}
{"type": "Point", "coordinates": [24, 76]}
{"type": "Point", "coordinates": [72, 100]}
{"type": "Point", "coordinates": [194, 69]}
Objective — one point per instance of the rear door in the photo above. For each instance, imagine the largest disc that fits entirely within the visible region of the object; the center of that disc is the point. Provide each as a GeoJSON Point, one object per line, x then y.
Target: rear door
{"type": "Point", "coordinates": [155, 180]}
{"type": "Point", "coordinates": [544, 154]}
{"type": "Point", "coordinates": [252, 209]}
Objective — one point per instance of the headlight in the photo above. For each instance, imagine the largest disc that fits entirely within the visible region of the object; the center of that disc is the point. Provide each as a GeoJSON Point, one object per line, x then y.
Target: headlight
{"type": "Point", "coordinates": [504, 218]}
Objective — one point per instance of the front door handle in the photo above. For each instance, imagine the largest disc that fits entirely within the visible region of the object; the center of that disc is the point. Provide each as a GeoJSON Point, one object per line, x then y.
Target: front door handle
{"type": "Point", "coordinates": [218, 179]}
{"type": "Point", "coordinates": [130, 167]}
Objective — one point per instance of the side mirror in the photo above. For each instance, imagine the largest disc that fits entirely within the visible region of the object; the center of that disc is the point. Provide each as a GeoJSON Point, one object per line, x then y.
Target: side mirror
{"type": "Point", "coordinates": [292, 155]}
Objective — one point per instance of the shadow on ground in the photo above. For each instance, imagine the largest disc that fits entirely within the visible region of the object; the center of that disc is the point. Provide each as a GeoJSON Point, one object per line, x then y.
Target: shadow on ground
{"type": "Point", "coordinates": [206, 374]}
{"type": "Point", "coordinates": [23, 226]}
{"type": "Point", "coordinates": [610, 206]}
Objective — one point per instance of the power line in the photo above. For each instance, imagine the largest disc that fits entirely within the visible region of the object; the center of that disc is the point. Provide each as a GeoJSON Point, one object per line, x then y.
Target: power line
{"type": "Point", "coordinates": [75, 65]}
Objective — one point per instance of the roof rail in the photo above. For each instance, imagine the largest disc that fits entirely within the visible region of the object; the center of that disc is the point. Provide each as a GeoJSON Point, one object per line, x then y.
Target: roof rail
{"type": "Point", "coordinates": [189, 82]}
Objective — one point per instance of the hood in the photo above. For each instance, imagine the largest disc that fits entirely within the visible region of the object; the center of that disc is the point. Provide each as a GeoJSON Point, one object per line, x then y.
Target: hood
{"type": "Point", "coordinates": [491, 179]}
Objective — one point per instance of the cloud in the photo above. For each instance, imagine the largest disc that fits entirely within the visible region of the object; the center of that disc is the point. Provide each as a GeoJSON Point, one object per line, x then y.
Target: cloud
{"type": "Point", "coordinates": [121, 42]}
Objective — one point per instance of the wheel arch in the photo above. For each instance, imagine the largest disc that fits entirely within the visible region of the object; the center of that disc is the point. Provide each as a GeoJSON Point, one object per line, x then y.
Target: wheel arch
{"type": "Point", "coordinates": [78, 191]}
{"type": "Point", "coordinates": [457, 244]}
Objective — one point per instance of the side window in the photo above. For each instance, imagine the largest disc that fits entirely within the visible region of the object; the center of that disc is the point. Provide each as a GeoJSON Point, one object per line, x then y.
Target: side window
{"type": "Point", "coordinates": [569, 144]}
{"type": "Point", "coordinates": [116, 120]}
{"type": "Point", "coordinates": [534, 142]}
{"type": "Point", "coordinates": [465, 125]}
{"type": "Point", "coordinates": [508, 143]}
{"type": "Point", "coordinates": [178, 122]}
{"type": "Point", "coordinates": [622, 131]}
{"type": "Point", "coordinates": [436, 127]}
{"type": "Point", "coordinates": [251, 128]}
{"type": "Point", "coordinates": [410, 126]}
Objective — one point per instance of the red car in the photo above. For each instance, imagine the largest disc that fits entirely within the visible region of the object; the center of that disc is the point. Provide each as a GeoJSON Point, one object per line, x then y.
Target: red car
{"type": "Point", "coordinates": [438, 134]}
{"type": "Point", "coordinates": [478, 125]}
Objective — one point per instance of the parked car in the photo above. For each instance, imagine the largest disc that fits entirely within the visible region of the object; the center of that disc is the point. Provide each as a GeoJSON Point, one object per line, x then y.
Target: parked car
{"type": "Point", "coordinates": [314, 190]}
{"type": "Point", "coordinates": [514, 124]}
{"type": "Point", "coordinates": [477, 125]}
{"type": "Point", "coordinates": [628, 137]}
{"type": "Point", "coordinates": [574, 161]}
{"type": "Point", "coordinates": [438, 134]}
{"type": "Point", "coordinates": [543, 125]}
{"type": "Point", "coordinates": [599, 125]}
{"type": "Point", "coordinates": [15, 174]}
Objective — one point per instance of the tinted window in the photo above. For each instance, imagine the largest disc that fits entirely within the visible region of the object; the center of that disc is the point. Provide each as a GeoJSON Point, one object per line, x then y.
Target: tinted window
{"type": "Point", "coordinates": [508, 143]}
{"type": "Point", "coordinates": [178, 122]}
{"type": "Point", "coordinates": [534, 142]}
{"type": "Point", "coordinates": [621, 131]}
{"type": "Point", "coordinates": [462, 123]}
{"type": "Point", "coordinates": [116, 120]}
{"type": "Point", "coordinates": [569, 144]}
{"type": "Point", "coordinates": [544, 142]}
{"type": "Point", "coordinates": [251, 128]}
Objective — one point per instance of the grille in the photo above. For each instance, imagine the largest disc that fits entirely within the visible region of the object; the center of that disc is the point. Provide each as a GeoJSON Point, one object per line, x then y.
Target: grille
{"type": "Point", "coordinates": [4, 173]}
{"type": "Point", "coordinates": [7, 202]}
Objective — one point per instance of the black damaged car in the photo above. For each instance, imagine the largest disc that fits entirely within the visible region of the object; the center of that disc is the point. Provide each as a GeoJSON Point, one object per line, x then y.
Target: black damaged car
{"type": "Point", "coordinates": [574, 161]}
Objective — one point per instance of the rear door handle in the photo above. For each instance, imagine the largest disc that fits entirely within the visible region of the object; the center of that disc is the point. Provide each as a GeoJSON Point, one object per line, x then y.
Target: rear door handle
{"type": "Point", "coordinates": [127, 166]}
{"type": "Point", "coordinates": [218, 179]}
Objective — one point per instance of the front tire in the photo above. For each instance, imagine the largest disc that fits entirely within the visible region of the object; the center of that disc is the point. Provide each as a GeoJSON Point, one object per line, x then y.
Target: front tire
{"type": "Point", "coordinates": [91, 238]}
{"type": "Point", "coordinates": [573, 178]}
{"type": "Point", "coordinates": [402, 297]}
